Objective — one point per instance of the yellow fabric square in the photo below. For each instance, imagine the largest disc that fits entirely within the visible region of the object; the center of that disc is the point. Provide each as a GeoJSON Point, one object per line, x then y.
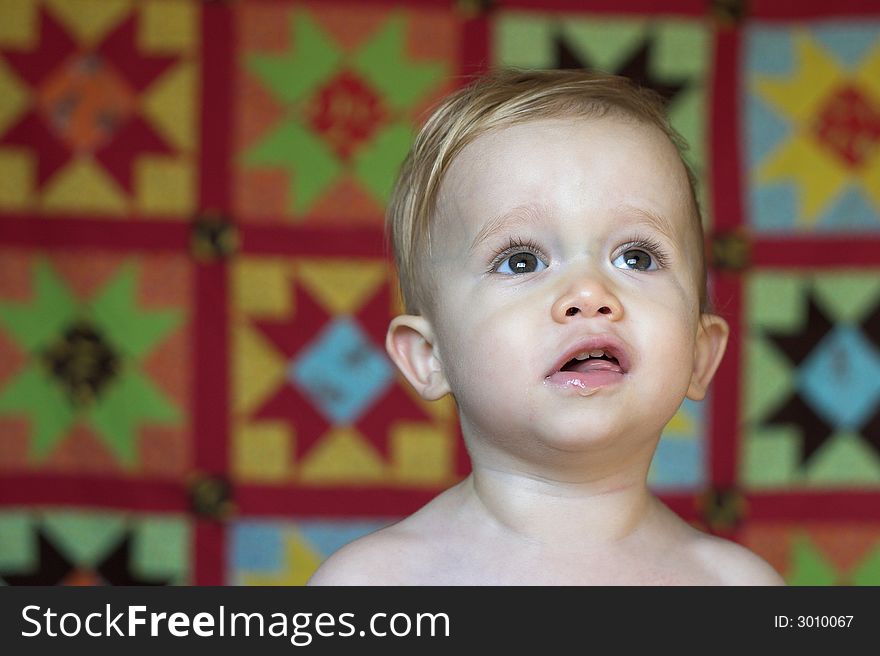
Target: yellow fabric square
{"type": "Point", "coordinates": [89, 21]}
{"type": "Point", "coordinates": [262, 288]}
{"type": "Point", "coordinates": [257, 369]}
{"type": "Point", "coordinates": [165, 186]}
{"type": "Point", "coordinates": [342, 286]}
{"type": "Point", "coordinates": [342, 456]}
{"type": "Point", "coordinates": [84, 186]}
{"type": "Point", "coordinates": [18, 28]}
{"type": "Point", "coordinates": [13, 98]}
{"type": "Point", "coordinates": [262, 452]}
{"type": "Point", "coordinates": [170, 105]}
{"type": "Point", "coordinates": [17, 173]}
{"type": "Point", "coordinates": [421, 455]}
{"type": "Point", "coordinates": [169, 26]}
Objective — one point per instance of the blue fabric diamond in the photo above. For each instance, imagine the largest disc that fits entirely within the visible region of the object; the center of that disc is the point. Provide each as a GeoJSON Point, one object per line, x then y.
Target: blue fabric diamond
{"type": "Point", "coordinates": [341, 371]}
{"type": "Point", "coordinates": [841, 378]}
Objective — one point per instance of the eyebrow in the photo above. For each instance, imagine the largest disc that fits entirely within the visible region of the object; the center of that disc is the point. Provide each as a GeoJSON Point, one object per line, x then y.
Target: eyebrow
{"type": "Point", "coordinates": [526, 214]}
{"type": "Point", "coordinates": [650, 218]}
{"type": "Point", "coordinates": [512, 218]}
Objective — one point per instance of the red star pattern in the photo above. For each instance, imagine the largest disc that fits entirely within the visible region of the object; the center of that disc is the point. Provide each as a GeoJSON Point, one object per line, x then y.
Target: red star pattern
{"type": "Point", "coordinates": [94, 90]}
{"type": "Point", "coordinates": [290, 335]}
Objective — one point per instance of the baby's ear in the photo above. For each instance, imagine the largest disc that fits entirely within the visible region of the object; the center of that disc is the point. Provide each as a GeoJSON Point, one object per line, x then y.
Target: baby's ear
{"type": "Point", "coordinates": [711, 342]}
{"type": "Point", "coordinates": [410, 344]}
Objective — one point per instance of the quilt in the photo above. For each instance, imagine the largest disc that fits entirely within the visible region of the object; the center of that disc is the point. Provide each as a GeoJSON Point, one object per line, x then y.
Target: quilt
{"type": "Point", "coordinates": [194, 290]}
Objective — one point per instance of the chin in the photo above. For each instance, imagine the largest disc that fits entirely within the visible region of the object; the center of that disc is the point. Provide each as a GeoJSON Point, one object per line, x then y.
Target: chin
{"type": "Point", "coordinates": [588, 432]}
{"type": "Point", "coordinates": [577, 440]}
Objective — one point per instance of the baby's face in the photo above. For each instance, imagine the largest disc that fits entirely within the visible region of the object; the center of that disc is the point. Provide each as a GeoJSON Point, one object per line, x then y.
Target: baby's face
{"type": "Point", "coordinates": [555, 239]}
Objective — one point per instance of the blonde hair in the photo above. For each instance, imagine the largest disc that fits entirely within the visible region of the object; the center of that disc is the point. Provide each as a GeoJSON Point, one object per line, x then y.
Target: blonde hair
{"type": "Point", "coordinates": [498, 99]}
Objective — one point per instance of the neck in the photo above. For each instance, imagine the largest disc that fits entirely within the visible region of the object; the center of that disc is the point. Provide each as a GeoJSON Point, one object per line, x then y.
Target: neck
{"type": "Point", "coordinates": [585, 497]}
{"type": "Point", "coordinates": [568, 510]}
{"type": "Point", "coordinates": [551, 513]}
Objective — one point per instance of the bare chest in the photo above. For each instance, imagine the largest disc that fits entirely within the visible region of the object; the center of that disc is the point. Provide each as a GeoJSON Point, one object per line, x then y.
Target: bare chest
{"type": "Point", "coordinates": [477, 568]}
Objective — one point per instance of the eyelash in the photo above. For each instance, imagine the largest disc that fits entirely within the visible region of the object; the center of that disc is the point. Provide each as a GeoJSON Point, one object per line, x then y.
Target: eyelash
{"type": "Point", "coordinates": [517, 244]}
{"type": "Point", "coordinates": [651, 246]}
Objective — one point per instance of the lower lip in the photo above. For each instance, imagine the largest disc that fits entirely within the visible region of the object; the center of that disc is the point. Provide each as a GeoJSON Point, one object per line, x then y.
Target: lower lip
{"type": "Point", "coordinates": [584, 384]}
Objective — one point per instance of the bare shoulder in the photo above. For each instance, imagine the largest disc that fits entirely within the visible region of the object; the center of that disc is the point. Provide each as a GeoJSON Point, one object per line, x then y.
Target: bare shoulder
{"type": "Point", "coordinates": [400, 554]}
{"type": "Point", "coordinates": [734, 564]}
{"type": "Point", "coordinates": [376, 559]}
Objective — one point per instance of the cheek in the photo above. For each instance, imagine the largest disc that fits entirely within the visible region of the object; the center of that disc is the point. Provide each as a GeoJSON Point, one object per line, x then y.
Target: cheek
{"type": "Point", "coordinates": [670, 353]}
{"type": "Point", "coordinates": [677, 303]}
{"type": "Point", "coordinates": [667, 322]}
{"type": "Point", "coordinates": [484, 348]}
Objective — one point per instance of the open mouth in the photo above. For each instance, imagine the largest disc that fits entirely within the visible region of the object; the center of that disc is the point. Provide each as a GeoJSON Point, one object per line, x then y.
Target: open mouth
{"type": "Point", "coordinates": [591, 364]}
{"type": "Point", "coordinates": [596, 360]}
{"type": "Point", "coordinates": [595, 353]}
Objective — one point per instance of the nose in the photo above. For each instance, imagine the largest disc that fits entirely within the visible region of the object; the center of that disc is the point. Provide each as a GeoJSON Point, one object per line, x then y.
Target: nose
{"type": "Point", "coordinates": [587, 295]}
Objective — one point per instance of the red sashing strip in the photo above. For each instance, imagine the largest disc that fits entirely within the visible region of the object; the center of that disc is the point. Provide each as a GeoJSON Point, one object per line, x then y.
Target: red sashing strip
{"type": "Point", "coordinates": [475, 52]}
{"type": "Point", "coordinates": [330, 502]}
{"type": "Point", "coordinates": [82, 232]}
{"type": "Point", "coordinates": [96, 491]}
{"type": "Point", "coordinates": [727, 215]}
{"type": "Point", "coordinates": [218, 62]}
{"type": "Point", "coordinates": [725, 396]}
{"type": "Point", "coordinates": [814, 251]}
{"type": "Point", "coordinates": [209, 552]}
{"type": "Point", "coordinates": [210, 397]}
{"type": "Point", "coordinates": [210, 402]}
{"type": "Point", "coordinates": [807, 506]}
{"type": "Point", "coordinates": [789, 11]}
{"type": "Point", "coordinates": [724, 128]}
{"type": "Point", "coordinates": [651, 7]}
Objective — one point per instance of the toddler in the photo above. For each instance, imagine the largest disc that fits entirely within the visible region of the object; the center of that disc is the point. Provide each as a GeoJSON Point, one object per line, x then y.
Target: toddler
{"type": "Point", "coordinates": [551, 260]}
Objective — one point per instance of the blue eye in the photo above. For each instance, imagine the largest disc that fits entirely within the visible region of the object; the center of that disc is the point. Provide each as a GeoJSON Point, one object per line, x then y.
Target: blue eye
{"type": "Point", "coordinates": [521, 262]}
{"type": "Point", "coordinates": [636, 259]}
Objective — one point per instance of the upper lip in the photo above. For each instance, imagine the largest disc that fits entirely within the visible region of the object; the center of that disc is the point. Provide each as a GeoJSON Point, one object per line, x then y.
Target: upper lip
{"type": "Point", "coordinates": [608, 343]}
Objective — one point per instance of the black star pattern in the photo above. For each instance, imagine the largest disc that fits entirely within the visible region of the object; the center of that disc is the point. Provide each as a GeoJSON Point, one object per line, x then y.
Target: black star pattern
{"type": "Point", "coordinates": [871, 329]}
{"type": "Point", "coordinates": [54, 568]}
{"type": "Point", "coordinates": [871, 431]}
{"type": "Point", "coordinates": [636, 67]}
{"type": "Point", "coordinates": [871, 326]}
{"type": "Point", "coordinates": [798, 346]}
{"type": "Point", "coordinates": [813, 429]}
{"type": "Point", "coordinates": [565, 56]}
{"type": "Point", "coordinates": [796, 410]}
{"type": "Point", "coordinates": [115, 568]}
